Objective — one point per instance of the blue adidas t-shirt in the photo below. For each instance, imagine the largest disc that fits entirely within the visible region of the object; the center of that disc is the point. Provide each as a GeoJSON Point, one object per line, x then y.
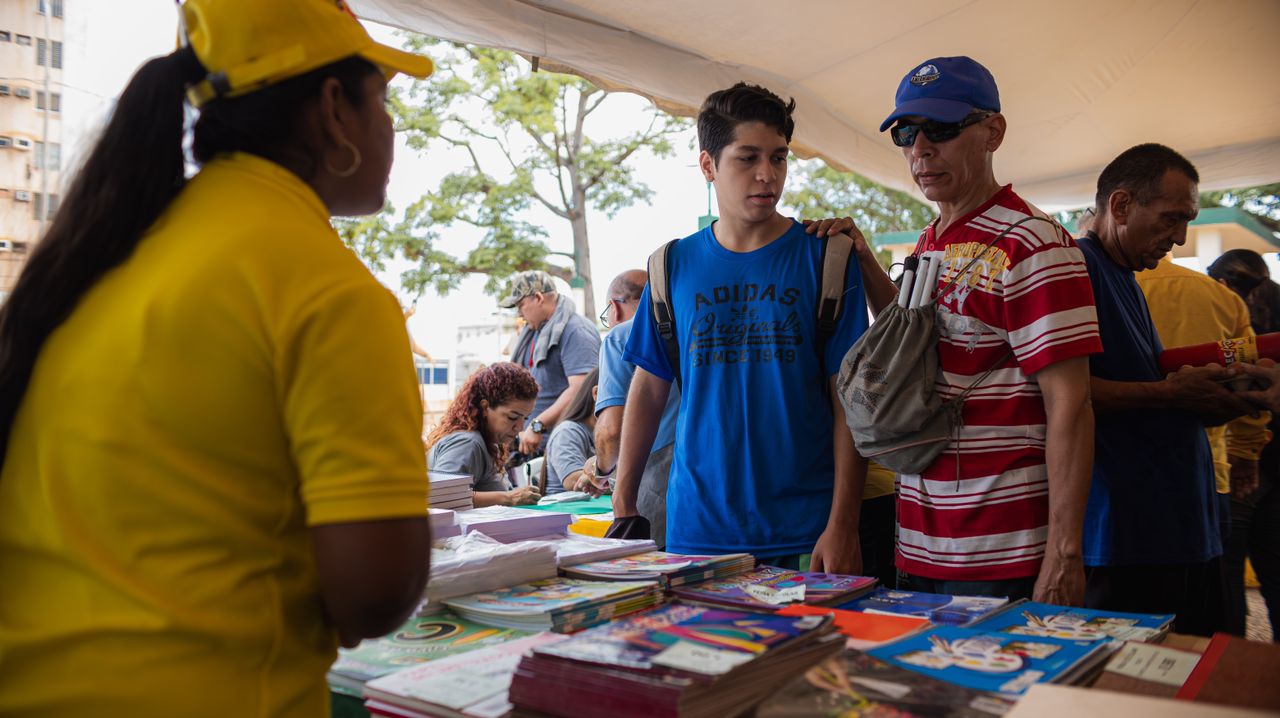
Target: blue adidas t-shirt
{"type": "Point", "coordinates": [1153, 499]}
{"type": "Point", "coordinates": [753, 466]}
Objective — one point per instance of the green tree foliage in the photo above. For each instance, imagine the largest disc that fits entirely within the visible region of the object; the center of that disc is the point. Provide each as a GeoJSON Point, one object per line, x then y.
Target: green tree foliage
{"type": "Point", "coordinates": [1261, 200]}
{"type": "Point", "coordinates": [491, 104]}
{"type": "Point", "coordinates": [819, 191]}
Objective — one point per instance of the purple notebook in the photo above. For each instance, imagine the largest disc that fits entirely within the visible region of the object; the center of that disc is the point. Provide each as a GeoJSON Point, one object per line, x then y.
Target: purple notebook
{"type": "Point", "coordinates": [771, 588]}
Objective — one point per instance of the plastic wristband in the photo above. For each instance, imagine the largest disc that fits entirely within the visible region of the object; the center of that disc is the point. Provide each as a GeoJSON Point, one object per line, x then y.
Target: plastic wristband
{"type": "Point", "coordinates": [605, 474]}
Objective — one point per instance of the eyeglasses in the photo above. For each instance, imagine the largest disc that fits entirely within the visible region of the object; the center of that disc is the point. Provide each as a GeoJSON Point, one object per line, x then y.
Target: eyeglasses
{"type": "Point", "coordinates": [904, 134]}
{"type": "Point", "coordinates": [604, 316]}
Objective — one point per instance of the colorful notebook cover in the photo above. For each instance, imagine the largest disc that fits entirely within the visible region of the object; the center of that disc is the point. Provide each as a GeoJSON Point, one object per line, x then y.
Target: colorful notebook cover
{"type": "Point", "coordinates": [548, 596]}
{"type": "Point", "coordinates": [646, 641]}
{"type": "Point", "coordinates": [1043, 620]}
{"type": "Point", "coordinates": [769, 588]}
{"type": "Point", "coordinates": [937, 607]}
{"type": "Point", "coordinates": [989, 660]}
{"type": "Point", "coordinates": [857, 684]}
{"type": "Point", "coordinates": [421, 639]}
{"type": "Point", "coordinates": [651, 565]}
{"type": "Point", "coordinates": [459, 682]}
{"type": "Point", "coordinates": [864, 630]}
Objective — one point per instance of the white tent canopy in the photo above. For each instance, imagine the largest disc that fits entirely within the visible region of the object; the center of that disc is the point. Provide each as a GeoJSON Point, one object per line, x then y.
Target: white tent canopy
{"type": "Point", "coordinates": [1079, 81]}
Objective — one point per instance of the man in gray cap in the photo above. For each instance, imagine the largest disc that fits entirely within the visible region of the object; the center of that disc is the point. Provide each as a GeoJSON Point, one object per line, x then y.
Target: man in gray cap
{"type": "Point", "coordinates": [557, 344]}
{"type": "Point", "coordinates": [1000, 511]}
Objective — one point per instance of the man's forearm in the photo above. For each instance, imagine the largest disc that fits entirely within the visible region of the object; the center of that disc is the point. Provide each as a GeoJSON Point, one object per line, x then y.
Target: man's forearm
{"type": "Point", "coordinates": [1111, 396]}
{"type": "Point", "coordinates": [641, 416]}
{"type": "Point", "coordinates": [880, 290]}
{"type": "Point", "coordinates": [608, 435]}
{"type": "Point", "coordinates": [850, 472]}
{"type": "Point", "coordinates": [1069, 437]}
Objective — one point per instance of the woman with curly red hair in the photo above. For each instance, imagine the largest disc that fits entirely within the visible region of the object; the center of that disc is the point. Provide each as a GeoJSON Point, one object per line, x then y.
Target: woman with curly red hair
{"type": "Point", "coordinates": [475, 432]}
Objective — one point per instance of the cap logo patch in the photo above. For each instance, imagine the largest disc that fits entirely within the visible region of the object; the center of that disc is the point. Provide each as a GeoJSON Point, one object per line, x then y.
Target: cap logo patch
{"type": "Point", "coordinates": [925, 75]}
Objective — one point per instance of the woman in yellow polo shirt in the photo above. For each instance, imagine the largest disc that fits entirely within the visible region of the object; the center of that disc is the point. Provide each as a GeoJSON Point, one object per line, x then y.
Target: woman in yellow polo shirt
{"type": "Point", "coordinates": [212, 470]}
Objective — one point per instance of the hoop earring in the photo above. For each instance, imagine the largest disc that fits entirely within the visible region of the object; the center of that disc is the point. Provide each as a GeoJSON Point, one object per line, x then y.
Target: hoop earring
{"type": "Point", "coordinates": [356, 159]}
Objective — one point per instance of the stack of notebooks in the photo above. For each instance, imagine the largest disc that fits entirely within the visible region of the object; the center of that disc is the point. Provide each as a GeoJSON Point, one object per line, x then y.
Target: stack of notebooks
{"type": "Point", "coordinates": [450, 491]}
{"type": "Point", "coordinates": [862, 630]}
{"type": "Point", "coordinates": [770, 588]}
{"type": "Point", "coordinates": [857, 684]}
{"type": "Point", "coordinates": [474, 562]}
{"type": "Point", "coordinates": [422, 639]}
{"type": "Point", "coordinates": [669, 569]}
{"type": "Point", "coordinates": [562, 605]}
{"type": "Point", "coordinates": [472, 685]}
{"type": "Point", "coordinates": [508, 523]}
{"type": "Point", "coordinates": [443, 524]}
{"type": "Point", "coordinates": [679, 660]}
{"type": "Point", "coordinates": [1231, 672]}
{"type": "Point", "coordinates": [936, 607]}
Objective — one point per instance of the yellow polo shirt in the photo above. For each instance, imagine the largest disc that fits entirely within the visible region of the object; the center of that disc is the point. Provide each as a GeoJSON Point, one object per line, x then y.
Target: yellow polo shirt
{"type": "Point", "coordinates": [240, 378]}
{"type": "Point", "coordinates": [1189, 308]}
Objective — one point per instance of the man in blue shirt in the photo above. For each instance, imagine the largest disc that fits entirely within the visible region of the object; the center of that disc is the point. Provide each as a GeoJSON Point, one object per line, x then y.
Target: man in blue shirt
{"type": "Point", "coordinates": [615, 380]}
{"type": "Point", "coordinates": [1151, 540]}
{"type": "Point", "coordinates": [763, 460]}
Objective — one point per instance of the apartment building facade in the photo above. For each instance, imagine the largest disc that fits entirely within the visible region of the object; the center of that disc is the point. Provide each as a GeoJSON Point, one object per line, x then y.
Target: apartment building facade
{"type": "Point", "coordinates": [31, 156]}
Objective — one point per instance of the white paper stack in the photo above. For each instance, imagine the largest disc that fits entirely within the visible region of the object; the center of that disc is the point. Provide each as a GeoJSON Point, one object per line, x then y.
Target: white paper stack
{"type": "Point", "coordinates": [474, 562]}
{"type": "Point", "coordinates": [450, 491]}
{"type": "Point", "coordinates": [509, 524]}
{"type": "Point", "coordinates": [443, 524]}
{"type": "Point", "coordinates": [573, 549]}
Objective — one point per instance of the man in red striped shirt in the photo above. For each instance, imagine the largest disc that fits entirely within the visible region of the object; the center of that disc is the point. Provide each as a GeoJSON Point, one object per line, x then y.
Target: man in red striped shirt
{"type": "Point", "coordinates": [1000, 512]}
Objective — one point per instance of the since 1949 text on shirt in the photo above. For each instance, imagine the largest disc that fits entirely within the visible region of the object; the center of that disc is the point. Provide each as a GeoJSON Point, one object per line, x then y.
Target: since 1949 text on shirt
{"type": "Point", "coordinates": [987, 518]}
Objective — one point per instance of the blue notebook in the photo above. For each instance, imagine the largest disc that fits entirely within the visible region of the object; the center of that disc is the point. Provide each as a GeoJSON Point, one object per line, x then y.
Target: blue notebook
{"type": "Point", "coordinates": [938, 608]}
{"type": "Point", "coordinates": [992, 661]}
{"type": "Point", "coordinates": [1043, 620]}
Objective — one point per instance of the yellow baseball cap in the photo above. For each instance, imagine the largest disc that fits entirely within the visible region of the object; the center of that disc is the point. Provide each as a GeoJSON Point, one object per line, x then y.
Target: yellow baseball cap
{"type": "Point", "coordinates": [246, 45]}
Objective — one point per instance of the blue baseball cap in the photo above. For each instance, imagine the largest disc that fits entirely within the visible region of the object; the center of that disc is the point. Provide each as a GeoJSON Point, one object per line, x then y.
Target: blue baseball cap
{"type": "Point", "coordinates": [945, 89]}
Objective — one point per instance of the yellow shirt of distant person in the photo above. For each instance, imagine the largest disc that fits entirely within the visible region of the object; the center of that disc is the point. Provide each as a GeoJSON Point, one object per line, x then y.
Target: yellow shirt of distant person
{"type": "Point", "coordinates": [1189, 307]}
{"type": "Point", "coordinates": [240, 378]}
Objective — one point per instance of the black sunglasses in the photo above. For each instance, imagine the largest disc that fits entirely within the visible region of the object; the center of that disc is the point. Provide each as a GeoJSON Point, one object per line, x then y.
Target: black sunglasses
{"type": "Point", "coordinates": [904, 135]}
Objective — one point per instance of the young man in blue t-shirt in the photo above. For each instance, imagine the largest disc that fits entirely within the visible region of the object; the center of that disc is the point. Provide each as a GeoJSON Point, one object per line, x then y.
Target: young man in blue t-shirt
{"type": "Point", "coordinates": [763, 461]}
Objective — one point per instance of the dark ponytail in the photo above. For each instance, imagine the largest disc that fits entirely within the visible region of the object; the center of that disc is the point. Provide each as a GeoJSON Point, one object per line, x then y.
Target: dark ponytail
{"type": "Point", "coordinates": [133, 173]}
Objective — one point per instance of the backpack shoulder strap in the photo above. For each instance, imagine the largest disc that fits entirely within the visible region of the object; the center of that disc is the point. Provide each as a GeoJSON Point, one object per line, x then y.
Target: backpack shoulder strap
{"type": "Point", "coordinates": [836, 251]}
{"type": "Point", "coordinates": [664, 317]}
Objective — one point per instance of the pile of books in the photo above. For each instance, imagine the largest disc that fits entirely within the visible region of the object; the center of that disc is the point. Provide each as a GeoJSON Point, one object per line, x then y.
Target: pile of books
{"type": "Point", "coordinates": [422, 639]}
{"type": "Point", "coordinates": [474, 562]}
{"type": "Point", "coordinates": [573, 549]}
{"type": "Point", "coordinates": [471, 685]}
{"type": "Point", "coordinates": [562, 605]}
{"type": "Point", "coordinates": [669, 569]}
{"type": "Point", "coordinates": [508, 523]}
{"type": "Point", "coordinates": [450, 491]}
{"type": "Point", "coordinates": [770, 588]}
{"type": "Point", "coordinates": [443, 524]}
{"type": "Point", "coordinates": [679, 660]}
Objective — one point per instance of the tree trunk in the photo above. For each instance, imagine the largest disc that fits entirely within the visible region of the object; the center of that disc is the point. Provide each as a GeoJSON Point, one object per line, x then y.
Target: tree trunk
{"type": "Point", "coordinates": [582, 262]}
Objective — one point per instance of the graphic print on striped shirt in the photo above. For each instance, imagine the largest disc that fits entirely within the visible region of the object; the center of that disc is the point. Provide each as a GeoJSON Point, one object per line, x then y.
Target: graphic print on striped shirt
{"type": "Point", "coordinates": [980, 511]}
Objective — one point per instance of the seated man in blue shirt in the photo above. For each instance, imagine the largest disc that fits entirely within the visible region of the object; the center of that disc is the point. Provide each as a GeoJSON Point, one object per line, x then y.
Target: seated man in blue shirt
{"type": "Point", "coordinates": [763, 460]}
{"type": "Point", "coordinates": [1151, 540]}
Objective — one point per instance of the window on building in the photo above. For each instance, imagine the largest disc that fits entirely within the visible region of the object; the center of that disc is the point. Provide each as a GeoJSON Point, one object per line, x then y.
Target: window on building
{"type": "Point", "coordinates": [42, 50]}
{"type": "Point", "coordinates": [19, 247]}
{"type": "Point", "coordinates": [23, 92]}
{"type": "Point", "coordinates": [22, 40]}
{"type": "Point", "coordinates": [57, 54]}
{"type": "Point", "coordinates": [38, 205]}
{"type": "Point", "coordinates": [6, 142]}
{"type": "Point", "coordinates": [54, 104]}
{"type": "Point", "coordinates": [57, 7]}
{"type": "Point", "coordinates": [4, 91]}
{"type": "Point", "coordinates": [5, 36]}
{"type": "Point", "coordinates": [48, 156]}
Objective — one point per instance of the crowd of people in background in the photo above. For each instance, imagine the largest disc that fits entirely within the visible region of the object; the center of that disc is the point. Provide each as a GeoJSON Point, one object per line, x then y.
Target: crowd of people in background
{"type": "Point", "coordinates": [218, 521]}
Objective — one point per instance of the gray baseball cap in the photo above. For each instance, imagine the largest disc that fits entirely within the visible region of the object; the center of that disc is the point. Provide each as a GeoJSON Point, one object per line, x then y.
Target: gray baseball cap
{"type": "Point", "coordinates": [524, 284]}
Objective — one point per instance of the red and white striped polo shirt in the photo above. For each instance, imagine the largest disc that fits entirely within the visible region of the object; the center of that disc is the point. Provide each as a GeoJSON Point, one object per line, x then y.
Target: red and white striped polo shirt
{"type": "Point", "coordinates": [1031, 291]}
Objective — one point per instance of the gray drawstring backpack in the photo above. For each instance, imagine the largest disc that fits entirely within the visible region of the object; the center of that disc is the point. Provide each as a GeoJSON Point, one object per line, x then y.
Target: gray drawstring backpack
{"type": "Point", "coordinates": [887, 379]}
